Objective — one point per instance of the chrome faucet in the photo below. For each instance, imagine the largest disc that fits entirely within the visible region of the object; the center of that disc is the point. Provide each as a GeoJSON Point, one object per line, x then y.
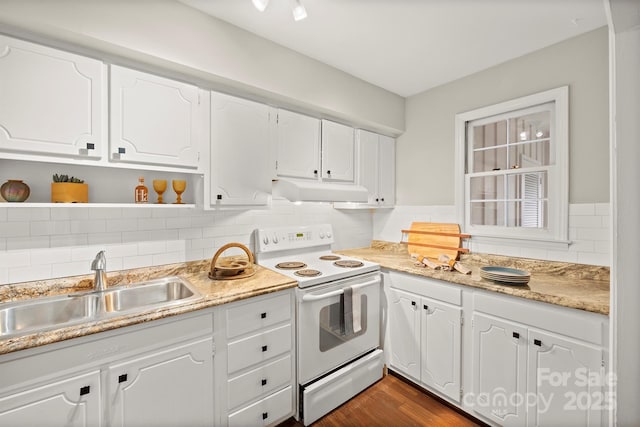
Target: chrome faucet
{"type": "Point", "coordinates": [99, 265]}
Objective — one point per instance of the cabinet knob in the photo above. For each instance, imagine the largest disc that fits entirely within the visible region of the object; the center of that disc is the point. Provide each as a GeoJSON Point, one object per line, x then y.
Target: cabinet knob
{"type": "Point", "coordinates": [516, 335]}
{"type": "Point", "coordinates": [377, 200]}
{"type": "Point", "coordinates": [328, 172]}
{"type": "Point", "coordinates": [263, 315]}
{"type": "Point", "coordinates": [263, 381]}
{"type": "Point", "coordinates": [382, 200]}
{"type": "Point", "coordinates": [91, 146]}
{"type": "Point", "coordinates": [122, 378]}
{"type": "Point", "coordinates": [315, 172]}
{"type": "Point", "coordinates": [426, 307]}
{"type": "Point", "coordinates": [265, 415]}
{"type": "Point", "coordinates": [121, 150]}
{"type": "Point", "coordinates": [413, 303]}
{"type": "Point", "coordinates": [538, 343]}
{"type": "Point", "coordinates": [85, 390]}
{"type": "Point", "coordinates": [264, 348]}
{"type": "Point", "coordinates": [219, 197]}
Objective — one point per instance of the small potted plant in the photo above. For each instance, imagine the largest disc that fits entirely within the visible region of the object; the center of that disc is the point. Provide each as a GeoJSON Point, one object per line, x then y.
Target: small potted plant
{"type": "Point", "coordinates": [65, 189]}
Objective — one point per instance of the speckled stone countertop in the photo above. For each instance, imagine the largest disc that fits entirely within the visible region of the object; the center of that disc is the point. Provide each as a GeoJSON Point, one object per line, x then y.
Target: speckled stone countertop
{"type": "Point", "coordinates": [213, 292]}
{"type": "Point", "coordinates": [581, 286]}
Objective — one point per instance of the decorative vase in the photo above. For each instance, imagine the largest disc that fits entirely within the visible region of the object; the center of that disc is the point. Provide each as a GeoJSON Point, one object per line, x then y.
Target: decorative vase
{"type": "Point", "coordinates": [69, 192]}
{"type": "Point", "coordinates": [15, 191]}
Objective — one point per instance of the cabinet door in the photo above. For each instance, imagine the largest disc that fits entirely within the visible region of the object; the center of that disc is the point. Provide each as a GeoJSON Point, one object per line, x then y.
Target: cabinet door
{"type": "Point", "coordinates": [566, 376]}
{"type": "Point", "coordinates": [70, 402]}
{"type": "Point", "coordinates": [154, 120]}
{"type": "Point", "coordinates": [499, 370]}
{"type": "Point", "coordinates": [386, 171]}
{"type": "Point", "coordinates": [441, 341]}
{"type": "Point", "coordinates": [173, 387]}
{"type": "Point", "coordinates": [241, 170]}
{"type": "Point", "coordinates": [368, 163]}
{"type": "Point", "coordinates": [298, 145]}
{"type": "Point", "coordinates": [51, 101]}
{"type": "Point", "coordinates": [337, 152]}
{"type": "Point", "coordinates": [404, 327]}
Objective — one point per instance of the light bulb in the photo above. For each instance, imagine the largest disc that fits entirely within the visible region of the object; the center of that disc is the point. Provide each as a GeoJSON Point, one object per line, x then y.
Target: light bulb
{"type": "Point", "coordinates": [261, 5]}
{"type": "Point", "coordinates": [299, 12]}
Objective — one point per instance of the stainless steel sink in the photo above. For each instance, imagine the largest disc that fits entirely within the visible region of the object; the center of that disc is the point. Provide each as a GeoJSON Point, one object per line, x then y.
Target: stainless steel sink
{"type": "Point", "coordinates": [41, 314]}
{"type": "Point", "coordinates": [44, 313]}
{"type": "Point", "coordinates": [162, 292]}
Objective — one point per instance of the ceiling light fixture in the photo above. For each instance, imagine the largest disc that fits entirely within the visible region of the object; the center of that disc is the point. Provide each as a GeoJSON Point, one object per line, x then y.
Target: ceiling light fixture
{"type": "Point", "coordinates": [299, 12]}
{"type": "Point", "coordinates": [261, 5]}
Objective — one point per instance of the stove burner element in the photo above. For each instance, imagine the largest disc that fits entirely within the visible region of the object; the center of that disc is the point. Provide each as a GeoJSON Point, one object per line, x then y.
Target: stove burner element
{"type": "Point", "coordinates": [291, 265]}
{"type": "Point", "coordinates": [347, 263]}
{"type": "Point", "coordinates": [329, 257]}
{"type": "Point", "coordinates": [307, 273]}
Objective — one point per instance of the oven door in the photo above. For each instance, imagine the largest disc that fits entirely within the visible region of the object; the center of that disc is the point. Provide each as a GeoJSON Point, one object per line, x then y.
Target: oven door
{"type": "Point", "coordinates": [332, 330]}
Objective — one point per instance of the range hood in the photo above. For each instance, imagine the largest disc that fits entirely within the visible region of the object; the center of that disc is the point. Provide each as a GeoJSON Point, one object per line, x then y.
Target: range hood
{"type": "Point", "coordinates": [314, 191]}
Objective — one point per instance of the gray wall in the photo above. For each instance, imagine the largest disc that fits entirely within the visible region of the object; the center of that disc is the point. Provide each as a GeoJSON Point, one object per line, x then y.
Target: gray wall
{"type": "Point", "coordinates": [425, 152]}
{"type": "Point", "coordinates": [185, 42]}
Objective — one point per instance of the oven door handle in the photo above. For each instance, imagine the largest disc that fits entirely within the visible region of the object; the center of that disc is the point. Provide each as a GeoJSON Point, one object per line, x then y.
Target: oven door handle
{"type": "Point", "coordinates": [312, 297]}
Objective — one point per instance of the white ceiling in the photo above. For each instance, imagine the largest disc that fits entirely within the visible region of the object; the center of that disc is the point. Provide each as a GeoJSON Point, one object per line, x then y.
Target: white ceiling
{"type": "Point", "coordinates": [408, 46]}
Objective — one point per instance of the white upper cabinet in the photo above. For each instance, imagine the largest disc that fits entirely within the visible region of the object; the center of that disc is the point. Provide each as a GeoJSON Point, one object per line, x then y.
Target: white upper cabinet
{"type": "Point", "coordinates": [51, 101]}
{"type": "Point", "coordinates": [337, 152]}
{"type": "Point", "coordinates": [241, 157]}
{"type": "Point", "coordinates": [298, 145]}
{"type": "Point", "coordinates": [155, 120]}
{"type": "Point", "coordinates": [376, 167]}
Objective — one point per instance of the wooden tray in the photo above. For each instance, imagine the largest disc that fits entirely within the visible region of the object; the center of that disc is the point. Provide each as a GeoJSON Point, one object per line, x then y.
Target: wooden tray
{"type": "Point", "coordinates": [432, 239]}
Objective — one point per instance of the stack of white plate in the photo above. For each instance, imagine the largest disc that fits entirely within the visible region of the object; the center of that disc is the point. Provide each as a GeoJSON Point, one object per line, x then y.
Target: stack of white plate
{"type": "Point", "coordinates": [505, 275]}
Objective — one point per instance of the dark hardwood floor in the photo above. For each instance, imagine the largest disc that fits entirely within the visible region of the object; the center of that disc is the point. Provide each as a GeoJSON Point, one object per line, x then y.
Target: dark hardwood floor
{"type": "Point", "coordinates": [391, 402]}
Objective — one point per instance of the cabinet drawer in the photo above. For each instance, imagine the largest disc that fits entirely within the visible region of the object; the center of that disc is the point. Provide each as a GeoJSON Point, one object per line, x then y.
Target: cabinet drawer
{"type": "Point", "coordinates": [258, 348]}
{"type": "Point", "coordinates": [427, 287]}
{"type": "Point", "coordinates": [259, 314]}
{"type": "Point", "coordinates": [266, 411]}
{"type": "Point", "coordinates": [262, 380]}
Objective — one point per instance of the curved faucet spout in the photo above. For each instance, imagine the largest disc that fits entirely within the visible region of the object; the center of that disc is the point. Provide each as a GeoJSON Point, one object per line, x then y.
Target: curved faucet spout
{"type": "Point", "coordinates": [99, 265]}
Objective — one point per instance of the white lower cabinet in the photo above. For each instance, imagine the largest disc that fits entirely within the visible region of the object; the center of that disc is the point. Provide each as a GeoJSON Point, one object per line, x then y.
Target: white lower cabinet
{"type": "Point", "coordinates": [515, 362]}
{"type": "Point", "coordinates": [425, 339]}
{"type": "Point", "coordinates": [260, 360]}
{"type": "Point", "coordinates": [168, 387]}
{"type": "Point", "coordinates": [159, 373]}
{"type": "Point", "coordinates": [71, 401]}
{"type": "Point", "coordinates": [499, 369]}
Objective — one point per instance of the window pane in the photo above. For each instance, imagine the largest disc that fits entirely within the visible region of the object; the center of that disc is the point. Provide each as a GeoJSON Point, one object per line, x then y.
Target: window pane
{"type": "Point", "coordinates": [490, 135]}
{"type": "Point", "coordinates": [529, 127]}
{"type": "Point", "coordinates": [487, 188]}
{"type": "Point", "coordinates": [492, 159]}
{"type": "Point", "coordinates": [529, 155]}
{"type": "Point", "coordinates": [487, 213]}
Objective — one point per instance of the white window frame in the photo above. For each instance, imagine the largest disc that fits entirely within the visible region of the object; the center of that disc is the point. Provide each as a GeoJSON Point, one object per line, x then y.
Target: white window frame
{"type": "Point", "coordinates": [558, 170]}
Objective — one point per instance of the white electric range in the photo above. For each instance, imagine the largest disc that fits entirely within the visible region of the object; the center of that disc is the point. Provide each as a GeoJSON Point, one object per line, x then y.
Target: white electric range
{"type": "Point", "coordinates": [338, 315]}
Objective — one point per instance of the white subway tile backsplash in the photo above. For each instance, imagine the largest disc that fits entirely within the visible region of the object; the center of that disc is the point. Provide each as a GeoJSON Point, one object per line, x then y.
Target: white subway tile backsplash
{"type": "Point", "coordinates": [105, 213]}
{"type": "Point", "coordinates": [15, 229]}
{"type": "Point", "coordinates": [168, 258]}
{"type": "Point", "coordinates": [65, 269]}
{"type": "Point", "coordinates": [104, 238]}
{"type": "Point", "coordinates": [3, 214]}
{"type": "Point", "coordinates": [30, 273]}
{"type": "Point", "coordinates": [49, 228]}
{"type": "Point", "coordinates": [151, 224]}
{"type": "Point", "coordinates": [137, 261]}
{"type": "Point", "coordinates": [69, 240]}
{"type": "Point", "coordinates": [13, 243]}
{"type": "Point", "coordinates": [71, 213]}
{"type": "Point", "coordinates": [88, 226]}
{"type": "Point", "coordinates": [121, 224]}
{"type": "Point", "coordinates": [15, 259]}
{"type": "Point", "coordinates": [151, 248]}
{"type": "Point", "coordinates": [28, 214]}
{"type": "Point", "coordinates": [190, 233]}
{"type": "Point", "coordinates": [50, 256]}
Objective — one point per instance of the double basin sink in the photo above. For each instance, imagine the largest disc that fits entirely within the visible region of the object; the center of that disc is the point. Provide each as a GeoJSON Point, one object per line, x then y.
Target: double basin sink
{"type": "Point", "coordinates": [40, 314]}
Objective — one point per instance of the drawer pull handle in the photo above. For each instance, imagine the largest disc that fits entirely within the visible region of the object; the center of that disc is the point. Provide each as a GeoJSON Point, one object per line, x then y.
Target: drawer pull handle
{"type": "Point", "coordinates": [122, 378]}
{"type": "Point", "coordinates": [91, 146]}
{"type": "Point", "coordinates": [263, 381]}
{"type": "Point", "coordinates": [264, 348]}
{"type": "Point", "coordinates": [413, 303]}
{"type": "Point", "coordinates": [538, 343]}
{"type": "Point", "coordinates": [516, 335]}
{"type": "Point", "coordinates": [121, 150]}
{"type": "Point", "coordinates": [263, 315]}
{"type": "Point", "coordinates": [219, 197]}
{"type": "Point", "coordinates": [426, 307]}
{"type": "Point", "coordinates": [265, 415]}
{"type": "Point", "coordinates": [85, 390]}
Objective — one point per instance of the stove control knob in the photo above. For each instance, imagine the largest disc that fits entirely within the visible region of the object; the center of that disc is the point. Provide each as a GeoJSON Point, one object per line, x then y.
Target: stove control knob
{"type": "Point", "coordinates": [275, 239]}
{"type": "Point", "coordinates": [322, 234]}
{"type": "Point", "coordinates": [265, 240]}
{"type": "Point", "coordinates": [328, 235]}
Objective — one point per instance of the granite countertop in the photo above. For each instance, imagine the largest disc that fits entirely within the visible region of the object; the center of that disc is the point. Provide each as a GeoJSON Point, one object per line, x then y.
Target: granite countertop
{"type": "Point", "coordinates": [580, 286]}
{"type": "Point", "coordinates": [213, 293]}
